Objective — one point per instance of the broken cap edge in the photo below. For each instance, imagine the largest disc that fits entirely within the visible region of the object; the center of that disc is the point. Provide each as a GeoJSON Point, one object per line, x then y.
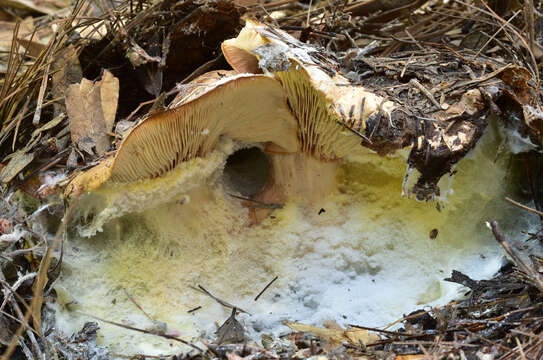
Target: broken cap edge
{"type": "Point", "coordinates": [238, 51]}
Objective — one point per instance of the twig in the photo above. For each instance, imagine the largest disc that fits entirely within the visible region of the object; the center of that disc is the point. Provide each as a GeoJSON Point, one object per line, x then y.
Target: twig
{"type": "Point", "coordinates": [519, 345]}
{"type": "Point", "coordinates": [166, 336]}
{"type": "Point", "coordinates": [308, 13]}
{"type": "Point", "coordinates": [41, 94]}
{"type": "Point", "coordinates": [528, 270]}
{"type": "Point", "coordinates": [277, 3]}
{"type": "Point", "coordinates": [29, 332]}
{"type": "Point", "coordinates": [524, 207]}
{"type": "Point", "coordinates": [266, 288]}
{"type": "Point", "coordinates": [426, 92]}
{"type": "Point", "coordinates": [358, 133]}
{"type": "Point", "coordinates": [405, 66]}
{"type": "Point", "coordinates": [479, 79]}
{"type": "Point", "coordinates": [260, 204]}
{"type": "Point", "coordinates": [415, 41]}
{"type": "Point", "coordinates": [138, 108]}
{"type": "Point", "coordinates": [395, 333]}
{"type": "Point", "coordinates": [137, 305]}
{"type": "Point", "coordinates": [222, 302]}
{"type": "Point", "coordinates": [205, 67]}
{"type": "Point", "coordinates": [496, 33]}
{"type": "Point", "coordinates": [15, 286]}
{"type": "Point", "coordinates": [444, 343]}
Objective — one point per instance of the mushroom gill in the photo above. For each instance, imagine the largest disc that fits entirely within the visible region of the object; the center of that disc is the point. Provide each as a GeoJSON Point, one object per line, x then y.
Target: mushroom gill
{"type": "Point", "coordinates": [247, 108]}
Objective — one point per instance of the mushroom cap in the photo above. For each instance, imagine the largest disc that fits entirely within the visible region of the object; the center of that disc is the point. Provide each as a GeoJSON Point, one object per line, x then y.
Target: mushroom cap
{"type": "Point", "coordinates": [250, 108]}
{"type": "Point", "coordinates": [90, 179]}
{"type": "Point", "coordinates": [199, 86]}
{"type": "Point", "coordinates": [329, 109]}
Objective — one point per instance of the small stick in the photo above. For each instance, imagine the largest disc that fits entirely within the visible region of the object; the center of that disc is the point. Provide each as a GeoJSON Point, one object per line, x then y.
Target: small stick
{"type": "Point", "coordinates": [521, 350]}
{"type": "Point", "coordinates": [496, 33]}
{"type": "Point", "coordinates": [395, 333]}
{"type": "Point", "coordinates": [137, 305]}
{"type": "Point", "coordinates": [405, 66]}
{"type": "Point", "coordinates": [426, 92]}
{"type": "Point", "coordinates": [166, 336]}
{"type": "Point", "coordinates": [41, 95]}
{"type": "Point", "coordinates": [222, 302]}
{"type": "Point", "coordinates": [415, 41]}
{"type": "Point", "coordinates": [449, 127]}
{"type": "Point", "coordinates": [309, 12]}
{"type": "Point", "coordinates": [208, 65]}
{"type": "Point", "coordinates": [195, 309]}
{"type": "Point", "coordinates": [540, 213]}
{"type": "Point", "coordinates": [354, 131]}
{"type": "Point", "coordinates": [266, 288]}
{"type": "Point", "coordinates": [277, 3]}
{"type": "Point", "coordinates": [528, 270]}
{"type": "Point", "coordinates": [259, 203]}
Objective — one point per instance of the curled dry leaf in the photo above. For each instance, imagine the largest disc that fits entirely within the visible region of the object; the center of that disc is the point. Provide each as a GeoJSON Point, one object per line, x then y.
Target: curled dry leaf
{"type": "Point", "coordinates": [91, 108]}
{"type": "Point", "coordinates": [17, 163]}
{"type": "Point", "coordinates": [519, 79]}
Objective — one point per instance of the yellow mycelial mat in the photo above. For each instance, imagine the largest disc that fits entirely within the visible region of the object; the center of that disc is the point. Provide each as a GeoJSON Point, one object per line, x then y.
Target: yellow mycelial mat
{"type": "Point", "coordinates": [362, 255]}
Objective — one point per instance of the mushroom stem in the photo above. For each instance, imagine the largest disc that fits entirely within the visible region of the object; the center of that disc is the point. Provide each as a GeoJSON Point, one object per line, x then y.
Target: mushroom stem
{"type": "Point", "coordinates": [296, 176]}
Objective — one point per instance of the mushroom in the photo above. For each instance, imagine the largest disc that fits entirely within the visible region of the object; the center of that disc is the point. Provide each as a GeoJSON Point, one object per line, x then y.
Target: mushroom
{"type": "Point", "coordinates": [322, 123]}
{"type": "Point", "coordinates": [305, 115]}
{"type": "Point", "coordinates": [249, 108]}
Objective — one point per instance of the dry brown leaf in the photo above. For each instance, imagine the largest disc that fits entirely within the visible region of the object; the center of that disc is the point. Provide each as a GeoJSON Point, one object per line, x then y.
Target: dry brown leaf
{"type": "Point", "coordinates": [231, 331]}
{"type": "Point", "coordinates": [517, 77]}
{"type": "Point", "coordinates": [6, 31]}
{"type": "Point", "coordinates": [91, 108]}
{"type": "Point", "coordinates": [336, 335]}
{"type": "Point", "coordinates": [34, 48]}
{"type": "Point", "coordinates": [109, 94]}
